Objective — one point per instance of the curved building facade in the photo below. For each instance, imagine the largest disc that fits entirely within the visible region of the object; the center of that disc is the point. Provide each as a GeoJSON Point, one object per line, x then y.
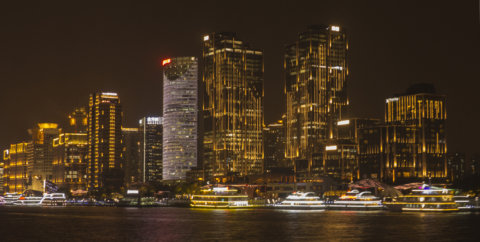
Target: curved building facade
{"type": "Point", "coordinates": [180, 98]}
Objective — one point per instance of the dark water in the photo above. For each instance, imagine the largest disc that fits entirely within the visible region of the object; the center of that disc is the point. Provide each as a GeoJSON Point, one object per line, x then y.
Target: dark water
{"type": "Point", "coordinates": [184, 224]}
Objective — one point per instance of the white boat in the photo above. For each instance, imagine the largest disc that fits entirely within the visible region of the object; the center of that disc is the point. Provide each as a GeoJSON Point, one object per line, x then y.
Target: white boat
{"type": "Point", "coordinates": [48, 199]}
{"type": "Point", "coordinates": [355, 200]}
{"type": "Point", "coordinates": [11, 198]}
{"type": "Point", "coordinates": [54, 199]}
{"type": "Point", "coordinates": [29, 201]}
{"type": "Point", "coordinates": [301, 200]}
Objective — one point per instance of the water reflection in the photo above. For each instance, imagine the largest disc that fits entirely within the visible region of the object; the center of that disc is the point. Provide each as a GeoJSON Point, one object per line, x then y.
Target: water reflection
{"type": "Point", "coordinates": [183, 224]}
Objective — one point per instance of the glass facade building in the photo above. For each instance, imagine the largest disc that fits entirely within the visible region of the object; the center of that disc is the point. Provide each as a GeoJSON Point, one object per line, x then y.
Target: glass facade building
{"type": "Point", "coordinates": [105, 168]}
{"type": "Point", "coordinates": [151, 149]}
{"type": "Point", "coordinates": [180, 117]}
{"type": "Point", "coordinates": [232, 106]}
{"type": "Point", "coordinates": [316, 74]}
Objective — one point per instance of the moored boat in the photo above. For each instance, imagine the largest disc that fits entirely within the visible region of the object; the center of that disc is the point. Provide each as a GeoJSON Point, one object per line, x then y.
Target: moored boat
{"type": "Point", "coordinates": [356, 200]}
{"type": "Point", "coordinates": [301, 200]}
{"type": "Point", "coordinates": [220, 197]}
{"type": "Point", "coordinates": [425, 199]}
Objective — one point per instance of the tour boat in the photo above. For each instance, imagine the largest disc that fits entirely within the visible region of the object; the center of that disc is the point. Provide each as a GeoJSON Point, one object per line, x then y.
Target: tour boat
{"type": "Point", "coordinates": [28, 201]}
{"type": "Point", "coordinates": [467, 203]}
{"type": "Point", "coordinates": [355, 200]}
{"type": "Point", "coordinates": [301, 200]}
{"type": "Point", "coordinates": [54, 199]}
{"type": "Point", "coordinates": [425, 199]}
{"type": "Point", "coordinates": [11, 198]}
{"type": "Point", "coordinates": [220, 197]}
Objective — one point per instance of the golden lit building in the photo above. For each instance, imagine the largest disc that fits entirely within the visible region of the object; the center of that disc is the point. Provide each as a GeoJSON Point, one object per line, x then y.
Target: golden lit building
{"type": "Point", "coordinates": [16, 167]}
{"type": "Point", "coordinates": [69, 164]}
{"type": "Point", "coordinates": [316, 74]}
{"type": "Point", "coordinates": [232, 106]}
{"type": "Point", "coordinates": [40, 168]}
{"type": "Point", "coordinates": [425, 111]}
{"type": "Point", "coordinates": [411, 144]}
{"type": "Point", "coordinates": [104, 155]}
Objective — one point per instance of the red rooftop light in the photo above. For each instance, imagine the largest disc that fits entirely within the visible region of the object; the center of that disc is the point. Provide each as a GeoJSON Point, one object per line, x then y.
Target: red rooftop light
{"type": "Point", "coordinates": [166, 61]}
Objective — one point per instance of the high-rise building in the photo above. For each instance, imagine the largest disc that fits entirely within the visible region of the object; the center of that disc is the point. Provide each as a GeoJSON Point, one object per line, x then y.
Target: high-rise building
{"type": "Point", "coordinates": [131, 151]}
{"type": "Point", "coordinates": [316, 74]}
{"type": "Point", "coordinates": [78, 121]}
{"type": "Point", "coordinates": [274, 145]}
{"type": "Point", "coordinates": [180, 117]}
{"type": "Point", "coordinates": [151, 150]}
{"type": "Point", "coordinates": [104, 169]}
{"type": "Point", "coordinates": [69, 163]}
{"type": "Point", "coordinates": [40, 168]}
{"type": "Point", "coordinates": [232, 106]}
{"type": "Point", "coordinates": [422, 110]}
{"type": "Point", "coordinates": [411, 144]}
{"type": "Point", "coordinates": [16, 167]}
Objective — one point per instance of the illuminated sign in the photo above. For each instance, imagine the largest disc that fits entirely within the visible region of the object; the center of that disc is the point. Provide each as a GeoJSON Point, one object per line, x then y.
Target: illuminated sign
{"type": "Point", "coordinates": [394, 99]}
{"type": "Point", "coordinates": [132, 191]}
{"type": "Point", "coordinates": [166, 61]}
{"type": "Point", "coordinates": [331, 147]}
{"type": "Point", "coordinates": [109, 94]}
{"type": "Point", "coordinates": [343, 122]}
{"type": "Point", "coordinates": [220, 189]}
{"type": "Point", "coordinates": [206, 37]}
{"type": "Point", "coordinates": [335, 28]}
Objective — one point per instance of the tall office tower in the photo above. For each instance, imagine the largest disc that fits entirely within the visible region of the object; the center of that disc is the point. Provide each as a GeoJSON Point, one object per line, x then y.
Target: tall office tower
{"type": "Point", "coordinates": [78, 121]}
{"type": "Point", "coordinates": [131, 155]}
{"type": "Point", "coordinates": [274, 145]}
{"type": "Point", "coordinates": [316, 74]}
{"type": "Point", "coordinates": [232, 106]}
{"type": "Point", "coordinates": [69, 164]}
{"type": "Point", "coordinates": [180, 116]}
{"type": "Point", "coordinates": [16, 164]}
{"type": "Point", "coordinates": [422, 109]}
{"type": "Point", "coordinates": [41, 167]}
{"type": "Point", "coordinates": [151, 149]}
{"type": "Point", "coordinates": [105, 168]}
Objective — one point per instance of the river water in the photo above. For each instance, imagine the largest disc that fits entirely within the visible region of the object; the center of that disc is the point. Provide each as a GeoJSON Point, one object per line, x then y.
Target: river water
{"type": "Point", "coordinates": [185, 224]}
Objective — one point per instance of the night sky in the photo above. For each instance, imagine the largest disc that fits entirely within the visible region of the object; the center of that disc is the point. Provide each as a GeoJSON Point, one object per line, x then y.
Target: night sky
{"type": "Point", "coordinates": [52, 55]}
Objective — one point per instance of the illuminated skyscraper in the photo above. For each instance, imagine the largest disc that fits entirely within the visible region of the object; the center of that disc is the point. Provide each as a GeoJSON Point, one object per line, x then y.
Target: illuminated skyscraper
{"type": "Point", "coordinates": [411, 144]}
{"type": "Point", "coordinates": [232, 106]}
{"type": "Point", "coordinates": [316, 74]}
{"type": "Point", "coordinates": [41, 166]}
{"type": "Point", "coordinates": [105, 169]}
{"type": "Point", "coordinates": [151, 149]}
{"type": "Point", "coordinates": [423, 113]}
{"type": "Point", "coordinates": [180, 117]}
{"type": "Point", "coordinates": [69, 164]}
{"type": "Point", "coordinates": [16, 167]}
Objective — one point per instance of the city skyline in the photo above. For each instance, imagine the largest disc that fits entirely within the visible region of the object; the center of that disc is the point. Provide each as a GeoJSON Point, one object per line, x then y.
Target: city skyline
{"type": "Point", "coordinates": [378, 74]}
